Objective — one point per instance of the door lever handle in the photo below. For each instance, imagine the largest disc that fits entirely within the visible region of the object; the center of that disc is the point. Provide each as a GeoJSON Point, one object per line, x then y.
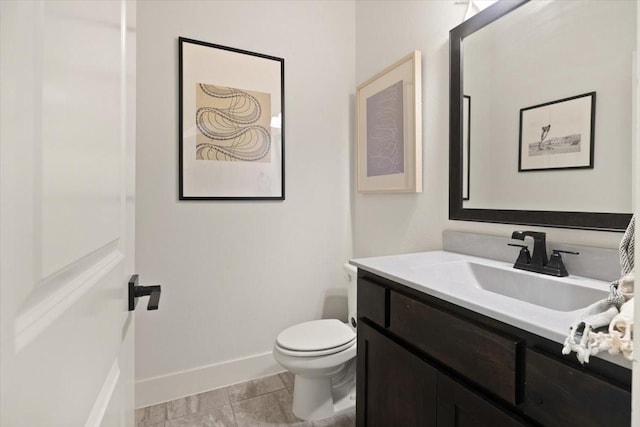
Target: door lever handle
{"type": "Point", "coordinates": [136, 291]}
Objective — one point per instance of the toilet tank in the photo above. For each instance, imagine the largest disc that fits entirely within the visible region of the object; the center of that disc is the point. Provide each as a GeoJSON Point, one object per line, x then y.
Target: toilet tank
{"type": "Point", "coordinates": [352, 289]}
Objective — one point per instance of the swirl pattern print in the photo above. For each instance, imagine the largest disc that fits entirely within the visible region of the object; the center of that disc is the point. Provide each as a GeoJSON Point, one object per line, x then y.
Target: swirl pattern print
{"type": "Point", "coordinates": [232, 125]}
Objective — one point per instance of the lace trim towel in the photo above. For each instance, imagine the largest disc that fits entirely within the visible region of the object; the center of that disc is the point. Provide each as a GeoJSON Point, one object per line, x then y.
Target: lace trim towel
{"type": "Point", "coordinates": [608, 312]}
{"type": "Point", "coordinates": [599, 315]}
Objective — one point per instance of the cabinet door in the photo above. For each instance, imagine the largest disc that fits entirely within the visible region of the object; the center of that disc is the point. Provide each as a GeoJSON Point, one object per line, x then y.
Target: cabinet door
{"type": "Point", "coordinates": [394, 387]}
{"type": "Point", "coordinates": [460, 407]}
{"type": "Point", "coordinates": [558, 395]}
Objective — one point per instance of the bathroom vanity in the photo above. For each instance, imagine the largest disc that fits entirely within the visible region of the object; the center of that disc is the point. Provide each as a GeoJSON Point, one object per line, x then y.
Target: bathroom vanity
{"type": "Point", "coordinates": [435, 349]}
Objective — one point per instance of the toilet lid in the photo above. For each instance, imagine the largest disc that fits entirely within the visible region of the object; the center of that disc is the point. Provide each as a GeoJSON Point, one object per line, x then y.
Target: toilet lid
{"type": "Point", "coordinates": [316, 335]}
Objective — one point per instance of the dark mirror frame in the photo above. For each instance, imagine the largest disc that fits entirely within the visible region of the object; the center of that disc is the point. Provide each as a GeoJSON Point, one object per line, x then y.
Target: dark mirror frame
{"type": "Point", "coordinates": [578, 220]}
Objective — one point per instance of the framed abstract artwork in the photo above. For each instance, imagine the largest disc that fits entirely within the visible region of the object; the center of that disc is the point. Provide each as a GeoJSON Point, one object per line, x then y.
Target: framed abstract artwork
{"type": "Point", "coordinates": [558, 134]}
{"type": "Point", "coordinates": [389, 129]}
{"type": "Point", "coordinates": [231, 123]}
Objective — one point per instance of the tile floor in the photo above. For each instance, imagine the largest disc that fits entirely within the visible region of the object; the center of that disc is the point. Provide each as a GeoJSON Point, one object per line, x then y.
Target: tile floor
{"type": "Point", "coordinates": [257, 403]}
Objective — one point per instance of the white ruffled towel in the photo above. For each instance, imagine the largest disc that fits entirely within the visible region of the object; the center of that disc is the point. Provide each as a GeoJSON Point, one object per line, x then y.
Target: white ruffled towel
{"type": "Point", "coordinates": [620, 336]}
{"type": "Point", "coordinates": [615, 311]}
{"type": "Point", "coordinates": [619, 317]}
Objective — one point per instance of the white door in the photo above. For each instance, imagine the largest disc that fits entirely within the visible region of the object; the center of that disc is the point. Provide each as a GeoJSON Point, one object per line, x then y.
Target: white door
{"type": "Point", "coordinates": [67, 87]}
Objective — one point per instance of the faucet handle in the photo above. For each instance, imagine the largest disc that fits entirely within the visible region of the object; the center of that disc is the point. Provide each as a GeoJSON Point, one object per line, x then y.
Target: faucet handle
{"type": "Point", "coordinates": [539, 256]}
{"type": "Point", "coordinates": [555, 262]}
{"type": "Point", "coordinates": [558, 251]}
{"type": "Point", "coordinates": [524, 257]}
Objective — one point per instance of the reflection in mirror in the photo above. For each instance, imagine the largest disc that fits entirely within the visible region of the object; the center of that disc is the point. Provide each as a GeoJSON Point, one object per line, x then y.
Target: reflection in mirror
{"type": "Point", "coordinates": [466, 141]}
{"type": "Point", "coordinates": [542, 52]}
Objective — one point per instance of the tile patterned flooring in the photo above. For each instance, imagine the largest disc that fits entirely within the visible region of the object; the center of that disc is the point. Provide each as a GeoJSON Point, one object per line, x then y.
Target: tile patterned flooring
{"type": "Point", "coordinates": [257, 403]}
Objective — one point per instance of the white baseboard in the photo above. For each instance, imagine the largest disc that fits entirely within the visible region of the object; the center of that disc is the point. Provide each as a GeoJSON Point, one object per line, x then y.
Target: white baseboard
{"type": "Point", "coordinates": [163, 388]}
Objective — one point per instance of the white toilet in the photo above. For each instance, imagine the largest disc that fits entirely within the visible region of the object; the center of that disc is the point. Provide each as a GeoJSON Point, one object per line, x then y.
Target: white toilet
{"type": "Point", "coordinates": [321, 354]}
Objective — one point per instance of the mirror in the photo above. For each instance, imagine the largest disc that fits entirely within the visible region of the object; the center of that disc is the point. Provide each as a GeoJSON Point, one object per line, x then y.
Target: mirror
{"type": "Point", "coordinates": [541, 114]}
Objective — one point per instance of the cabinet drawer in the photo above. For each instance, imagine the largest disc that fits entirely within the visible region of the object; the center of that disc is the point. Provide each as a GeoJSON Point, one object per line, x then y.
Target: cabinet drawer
{"type": "Point", "coordinates": [560, 395]}
{"type": "Point", "coordinates": [373, 302]}
{"type": "Point", "coordinates": [484, 357]}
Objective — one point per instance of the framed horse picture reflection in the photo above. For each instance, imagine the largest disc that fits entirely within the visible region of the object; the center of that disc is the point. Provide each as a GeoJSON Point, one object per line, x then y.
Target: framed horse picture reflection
{"type": "Point", "coordinates": [558, 134]}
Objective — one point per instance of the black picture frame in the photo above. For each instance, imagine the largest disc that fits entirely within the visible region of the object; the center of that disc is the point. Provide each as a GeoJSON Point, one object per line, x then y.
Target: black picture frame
{"type": "Point", "coordinates": [572, 149]}
{"type": "Point", "coordinates": [466, 147]}
{"type": "Point", "coordinates": [231, 118]}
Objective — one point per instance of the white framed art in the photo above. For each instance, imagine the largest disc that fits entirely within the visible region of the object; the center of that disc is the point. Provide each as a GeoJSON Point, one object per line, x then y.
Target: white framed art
{"type": "Point", "coordinates": [389, 129]}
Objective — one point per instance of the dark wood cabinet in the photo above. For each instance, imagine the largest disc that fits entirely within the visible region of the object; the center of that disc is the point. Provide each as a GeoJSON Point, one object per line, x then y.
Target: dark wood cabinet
{"type": "Point", "coordinates": [460, 407]}
{"type": "Point", "coordinates": [484, 357]}
{"type": "Point", "coordinates": [399, 388]}
{"type": "Point", "coordinates": [374, 300]}
{"type": "Point", "coordinates": [558, 395]}
{"type": "Point", "coordinates": [426, 362]}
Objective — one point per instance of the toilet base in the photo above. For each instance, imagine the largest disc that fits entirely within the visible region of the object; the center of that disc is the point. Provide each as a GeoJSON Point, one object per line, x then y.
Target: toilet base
{"type": "Point", "coordinates": [323, 397]}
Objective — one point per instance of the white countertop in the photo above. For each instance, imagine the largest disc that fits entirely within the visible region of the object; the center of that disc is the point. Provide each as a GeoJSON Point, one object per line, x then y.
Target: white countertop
{"type": "Point", "coordinates": [408, 270]}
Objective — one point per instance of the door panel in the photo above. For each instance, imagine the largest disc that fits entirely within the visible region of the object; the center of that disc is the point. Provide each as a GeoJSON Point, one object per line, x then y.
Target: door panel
{"type": "Point", "coordinates": [395, 387]}
{"type": "Point", "coordinates": [80, 146]}
{"type": "Point", "coordinates": [66, 212]}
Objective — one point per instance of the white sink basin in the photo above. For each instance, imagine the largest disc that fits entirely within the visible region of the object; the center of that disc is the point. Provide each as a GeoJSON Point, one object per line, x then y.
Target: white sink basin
{"type": "Point", "coordinates": [545, 291]}
{"type": "Point", "coordinates": [555, 293]}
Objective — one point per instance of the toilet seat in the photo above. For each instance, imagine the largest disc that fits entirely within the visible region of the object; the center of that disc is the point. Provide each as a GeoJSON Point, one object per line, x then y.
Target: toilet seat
{"type": "Point", "coordinates": [315, 338]}
{"type": "Point", "coordinates": [315, 353]}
